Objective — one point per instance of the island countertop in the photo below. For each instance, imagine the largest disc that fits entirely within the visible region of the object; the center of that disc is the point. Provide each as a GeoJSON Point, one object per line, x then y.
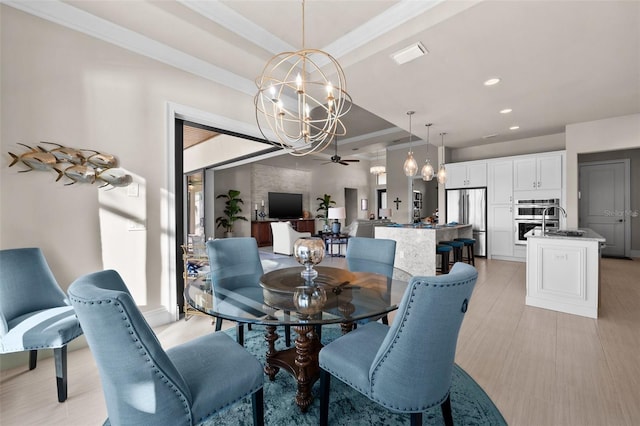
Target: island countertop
{"type": "Point", "coordinates": [416, 245]}
{"type": "Point", "coordinates": [587, 234]}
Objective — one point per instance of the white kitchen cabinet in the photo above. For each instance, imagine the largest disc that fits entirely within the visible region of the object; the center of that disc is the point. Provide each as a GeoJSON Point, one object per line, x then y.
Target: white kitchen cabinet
{"type": "Point", "coordinates": [537, 172]}
{"type": "Point", "coordinates": [563, 273]}
{"type": "Point", "coordinates": [466, 175]}
{"type": "Point", "coordinates": [501, 230]}
{"type": "Point", "coordinates": [500, 187]}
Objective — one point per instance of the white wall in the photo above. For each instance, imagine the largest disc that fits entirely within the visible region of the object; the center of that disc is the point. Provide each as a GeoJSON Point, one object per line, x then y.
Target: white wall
{"type": "Point", "coordinates": [555, 142]}
{"type": "Point", "coordinates": [62, 86]}
{"type": "Point", "coordinates": [596, 136]}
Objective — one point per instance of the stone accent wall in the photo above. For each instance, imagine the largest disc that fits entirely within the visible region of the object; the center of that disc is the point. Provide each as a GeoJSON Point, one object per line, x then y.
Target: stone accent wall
{"type": "Point", "coordinates": [265, 179]}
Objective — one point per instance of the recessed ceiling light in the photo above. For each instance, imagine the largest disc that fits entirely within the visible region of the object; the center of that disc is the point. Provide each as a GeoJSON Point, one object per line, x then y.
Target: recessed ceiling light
{"type": "Point", "coordinates": [409, 53]}
{"type": "Point", "coordinates": [493, 135]}
{"type": "Point", "coordinates": [492, 81]}
{"type": "Point", "coordinates": [506, 111]}
{"type": "Point", "coordinates": [514, 127]}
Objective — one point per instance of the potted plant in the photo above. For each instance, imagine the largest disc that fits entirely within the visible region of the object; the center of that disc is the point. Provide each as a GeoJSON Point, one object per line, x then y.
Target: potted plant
{"type": "Point", "coordinates": [325, 203]}
{"type": "Point", "coordinates": [231, 210]}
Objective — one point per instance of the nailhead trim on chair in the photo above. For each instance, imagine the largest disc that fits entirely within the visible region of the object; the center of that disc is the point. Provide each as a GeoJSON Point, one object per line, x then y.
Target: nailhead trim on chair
{"type": "Point", "coordinates": [393, 342]}
{"type": "Point", "coordinates": [155, 368]}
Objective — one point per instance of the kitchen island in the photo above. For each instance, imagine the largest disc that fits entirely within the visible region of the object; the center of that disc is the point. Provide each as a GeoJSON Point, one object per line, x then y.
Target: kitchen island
{"type": "Point", "coordinates": [416, 245]}
{"type": "Point", "coordinates": [563, 270]}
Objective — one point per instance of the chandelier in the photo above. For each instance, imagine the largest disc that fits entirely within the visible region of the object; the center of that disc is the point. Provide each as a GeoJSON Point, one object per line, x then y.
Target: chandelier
{"type": "Point", "coordinates": [427, 169]}
{"type": "Point", "coordinates": [298, 103]}
{"type": "Point", "coordinates": [379, 169]}
{"type": "Point", "coordinates": [442, 172]}
{"type": "Point", "coordinates": [410, 165]}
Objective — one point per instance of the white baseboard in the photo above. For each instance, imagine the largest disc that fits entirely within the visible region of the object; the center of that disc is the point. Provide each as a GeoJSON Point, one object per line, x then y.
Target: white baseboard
{"type": "Point", "coordinates": [158, 316]}
{"type": "Point", "coordinates": [634, 253]}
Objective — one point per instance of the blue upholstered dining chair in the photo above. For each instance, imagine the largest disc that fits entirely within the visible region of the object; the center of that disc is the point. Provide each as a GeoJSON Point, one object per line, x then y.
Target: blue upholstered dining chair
{"type": "Point", "coordinates": [34, 312]}
{"type": "Point", "coordinates": [146, 385]}
{"type": "Point", "coordinates": [376, 255]}
{"type": "Point", "coordinates": [235, 267]}
{"type": "Point", "coordinates": [405, 367]}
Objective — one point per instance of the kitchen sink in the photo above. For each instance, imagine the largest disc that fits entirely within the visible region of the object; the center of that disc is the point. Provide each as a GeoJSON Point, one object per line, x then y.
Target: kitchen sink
{"type": "Point", "coordinates": [566, 233]}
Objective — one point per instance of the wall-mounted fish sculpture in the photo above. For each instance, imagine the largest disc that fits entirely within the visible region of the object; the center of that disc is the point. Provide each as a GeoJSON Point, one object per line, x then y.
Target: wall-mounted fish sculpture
{"type": "Point", "coordinates": [79, 173]}
{"type": "Point", "coordinates": [85, 168]}
{"type": "Point", "coordinates": [114, 177]}
{"type": "Point", "coordinates": [99, 159]}
{"type": "Point", "coordinates": [65, 154]}
{"type": "Point", "coordinates": [35, 160]}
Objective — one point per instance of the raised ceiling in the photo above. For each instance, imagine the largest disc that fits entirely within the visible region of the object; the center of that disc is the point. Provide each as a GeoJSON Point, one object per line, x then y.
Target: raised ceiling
{"type": "Point", "coordinates": [560, 62]}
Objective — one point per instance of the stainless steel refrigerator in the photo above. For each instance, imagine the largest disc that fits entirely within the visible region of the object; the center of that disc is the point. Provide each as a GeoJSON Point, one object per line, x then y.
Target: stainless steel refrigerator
{"type": "Point", "coordinates": [469, 206]}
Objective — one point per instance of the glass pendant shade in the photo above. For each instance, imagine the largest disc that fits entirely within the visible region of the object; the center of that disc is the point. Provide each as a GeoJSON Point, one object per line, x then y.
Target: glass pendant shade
{"type": "Point", "coordinates": [410, 165]}
{"type": "Point", "coordinates": [442, 174]}
{"type": "Point", "coordinates": [427, 171]}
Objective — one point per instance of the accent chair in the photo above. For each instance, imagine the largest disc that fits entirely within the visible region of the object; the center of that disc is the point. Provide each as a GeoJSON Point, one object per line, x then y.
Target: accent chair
{"type": "Point", "coordinates": [284, 236]}
{"type": "Point", "coordinates": [376, 255]}
{"type": "Point", "coordinates": [406, 367]}
{"type": "Point", "coordinates": [145, 385]}
{"type": "Point", "coordinates": [34, 311]}
{"type": "Point", "coordinates": [236, 269]}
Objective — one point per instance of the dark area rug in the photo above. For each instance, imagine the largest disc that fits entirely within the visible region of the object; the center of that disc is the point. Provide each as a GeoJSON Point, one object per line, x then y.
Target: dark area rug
{"type": "Point", "coordinates": [470, 404]}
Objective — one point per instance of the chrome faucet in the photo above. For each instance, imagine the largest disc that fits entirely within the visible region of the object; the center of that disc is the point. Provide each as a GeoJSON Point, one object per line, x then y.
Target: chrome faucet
{"type": "Point", "coordinates": [544, 215]}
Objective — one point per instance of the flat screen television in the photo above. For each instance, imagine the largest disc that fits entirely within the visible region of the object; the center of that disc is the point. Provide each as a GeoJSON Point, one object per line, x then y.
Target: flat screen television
{"type": "Point", "coordinates": [285, 206]}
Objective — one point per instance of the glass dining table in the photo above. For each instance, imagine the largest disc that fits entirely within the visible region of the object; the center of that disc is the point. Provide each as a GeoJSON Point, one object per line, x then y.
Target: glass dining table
{"type": "Point", "coordinates": [284, 297]}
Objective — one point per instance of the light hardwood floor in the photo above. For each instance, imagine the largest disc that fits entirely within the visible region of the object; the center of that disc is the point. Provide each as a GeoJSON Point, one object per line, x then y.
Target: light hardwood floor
{"type": "Point", "coordinates": [540, 367]}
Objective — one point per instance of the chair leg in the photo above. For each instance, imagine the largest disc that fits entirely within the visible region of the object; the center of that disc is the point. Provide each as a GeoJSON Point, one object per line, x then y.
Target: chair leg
{"type": "Point", "coordinates": [257, 403]}
{"type": "Point", "coordinates": [60, 355]}
{"type": "Point", "coordinates": [385, 320]}
{"type": "Point", "coordinates": [325, 383]}
{"type": "Point", "coordinates": [33, 359]}
{"type": "Point", "coordinates": [416, 419]}
{"type": "Point", "coordinates": [218, 324]}
{"type": "Point", "coordinates": [446, 411]}
{"type": "Point", "coordinates": [240, 333]}
{"type": "Point", "coordinates": [287, 335]}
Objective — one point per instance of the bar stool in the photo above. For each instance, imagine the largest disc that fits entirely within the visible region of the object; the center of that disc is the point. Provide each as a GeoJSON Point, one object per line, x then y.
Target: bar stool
{"type": "Point", "coordinates": [469, 244]}
{"type": "Point", "coordinates": [443, 251]}
{"type": "Point", "coordinates": [457, 249]}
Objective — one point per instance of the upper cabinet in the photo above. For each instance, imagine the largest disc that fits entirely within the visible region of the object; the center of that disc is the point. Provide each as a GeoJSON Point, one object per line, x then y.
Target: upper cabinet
{"type": "Point", "coordinates": [466, 175]}
{"type": "Point", "coordinates": [500, 188]}
{"type": "Point", "coordinates": [537, 172]}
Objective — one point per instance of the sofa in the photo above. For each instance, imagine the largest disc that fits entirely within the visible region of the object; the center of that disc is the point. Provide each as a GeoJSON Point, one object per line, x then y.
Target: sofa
{"type": "Point", "coordinates": [284, 236]}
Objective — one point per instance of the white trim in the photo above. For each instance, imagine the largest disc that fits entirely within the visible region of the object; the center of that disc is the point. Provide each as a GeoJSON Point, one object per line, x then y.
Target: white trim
{"type": "Point", "coordinates": [79, 20]}
{"type": "Point", "coordinates": [158, 316]}
{"type": "Point", "coordinates": [238, 24]}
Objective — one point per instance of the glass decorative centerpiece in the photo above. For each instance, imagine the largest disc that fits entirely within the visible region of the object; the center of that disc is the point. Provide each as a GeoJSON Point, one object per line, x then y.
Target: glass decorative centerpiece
{"type": "Point", "coordinates": [309, 251]}
{"type": "Point", "coordinates": [309, 299]}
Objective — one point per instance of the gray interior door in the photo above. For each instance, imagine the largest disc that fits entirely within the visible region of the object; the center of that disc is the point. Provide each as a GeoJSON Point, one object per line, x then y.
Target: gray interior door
{"type": "Point", "coordinates": [602, 203]}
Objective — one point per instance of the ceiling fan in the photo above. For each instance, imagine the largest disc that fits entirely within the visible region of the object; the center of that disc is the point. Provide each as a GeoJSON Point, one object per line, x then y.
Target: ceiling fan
{"type": "Point", "coordinates": [337, 159]}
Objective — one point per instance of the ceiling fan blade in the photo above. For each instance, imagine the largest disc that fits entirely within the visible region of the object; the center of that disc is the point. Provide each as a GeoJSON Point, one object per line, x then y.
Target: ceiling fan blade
{"type": "Point", "coordinates": [327, 162]}
{"type": "Point", "coordinates": [352, 161]}
{"type": "Point", "coordinates": [343, 163]}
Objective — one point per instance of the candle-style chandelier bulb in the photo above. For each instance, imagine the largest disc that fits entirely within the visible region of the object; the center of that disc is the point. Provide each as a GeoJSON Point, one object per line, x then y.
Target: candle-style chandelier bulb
{"type": "Point", "coordinates": [442, 171]}
{"type": "Point", "coordinates": [410, 165]}
{"type": "Point", "coordinates": [427, 169]}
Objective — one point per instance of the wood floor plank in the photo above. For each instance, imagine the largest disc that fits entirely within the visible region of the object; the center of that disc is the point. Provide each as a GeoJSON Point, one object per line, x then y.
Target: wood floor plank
{"type": "Point", "coordinates": [540, 367]}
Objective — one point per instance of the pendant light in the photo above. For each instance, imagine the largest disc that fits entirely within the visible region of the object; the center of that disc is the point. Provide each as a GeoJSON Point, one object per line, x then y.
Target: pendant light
{"type": "Point", "coordinates": [442, 172]}
{"type": "Point", "coordinates": [427, 169]}
{"type": "Point", "coordinates": [378, 169]}
{"type": "Point", "coordinates": [410, 165]}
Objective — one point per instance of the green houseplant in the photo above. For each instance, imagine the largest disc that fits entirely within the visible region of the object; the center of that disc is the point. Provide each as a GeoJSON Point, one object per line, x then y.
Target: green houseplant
{"type": "Point", "coordinates": [325, 203]}
{"type": "Point", "coordinates": [231, 210]}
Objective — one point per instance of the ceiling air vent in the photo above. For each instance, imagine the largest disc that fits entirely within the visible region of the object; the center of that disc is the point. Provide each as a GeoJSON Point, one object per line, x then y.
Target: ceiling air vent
{"type": "Point", "coordinates": [409, 53]}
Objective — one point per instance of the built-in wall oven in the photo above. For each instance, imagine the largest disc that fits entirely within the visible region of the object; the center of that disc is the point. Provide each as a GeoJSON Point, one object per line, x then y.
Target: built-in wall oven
{"type": "Point", "coordinates": [531, 213]}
